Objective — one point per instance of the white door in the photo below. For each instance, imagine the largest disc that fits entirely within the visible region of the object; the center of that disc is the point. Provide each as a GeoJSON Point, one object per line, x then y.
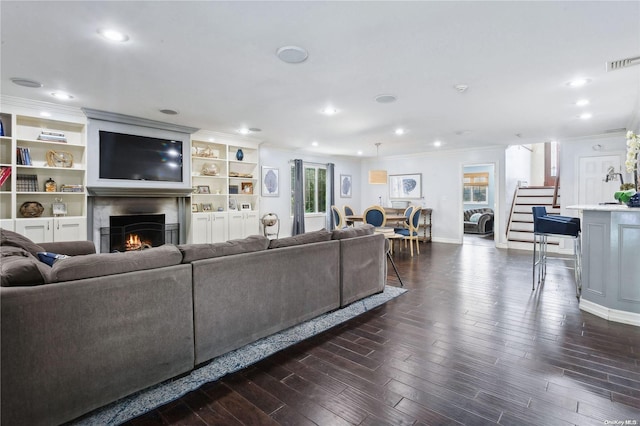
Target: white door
{"type": "Point", "coordinates": [236, 225]}
{"type": "Point", "coordinates": [592, 188]}
{"type": "Point", "coordinates": [218, 227]}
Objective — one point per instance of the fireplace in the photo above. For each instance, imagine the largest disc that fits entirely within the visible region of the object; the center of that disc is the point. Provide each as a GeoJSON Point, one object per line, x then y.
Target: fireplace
{"type": "Point", "coordinates": [137, 232]}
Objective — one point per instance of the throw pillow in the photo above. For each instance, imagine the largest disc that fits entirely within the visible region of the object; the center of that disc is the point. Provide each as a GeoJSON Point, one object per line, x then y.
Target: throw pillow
{"type": "Point", "coordinates": [475, 217]}
{"type": "Point", "coordinates": [50, 258]}
{"type": "Point", "coordinates": [10, 238]}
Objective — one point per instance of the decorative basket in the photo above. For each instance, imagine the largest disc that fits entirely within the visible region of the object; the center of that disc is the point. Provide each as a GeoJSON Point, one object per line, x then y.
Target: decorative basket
{"type": "Point", "coordinates": [59, 159]}
{"type": "Point", "coordinates": [31, 209]}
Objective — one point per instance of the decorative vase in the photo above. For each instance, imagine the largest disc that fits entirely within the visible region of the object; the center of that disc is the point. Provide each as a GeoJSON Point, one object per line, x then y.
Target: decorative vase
{"type": "Point", "coordinates": [239, 154]}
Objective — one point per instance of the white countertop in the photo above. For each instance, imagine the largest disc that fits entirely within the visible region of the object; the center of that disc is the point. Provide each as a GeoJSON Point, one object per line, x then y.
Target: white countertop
{"type": "Point", "coordinates": [605, 207]}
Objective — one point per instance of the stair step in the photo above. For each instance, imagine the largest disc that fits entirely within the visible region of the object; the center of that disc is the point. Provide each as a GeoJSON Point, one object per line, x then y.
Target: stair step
{"type": "Point", "coordinates": [539, 190]}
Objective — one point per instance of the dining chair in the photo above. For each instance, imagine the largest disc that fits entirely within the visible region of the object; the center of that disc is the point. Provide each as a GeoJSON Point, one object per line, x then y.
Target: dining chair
{"type": "Point", "coordinates": [338, 217]}
{"type": "Point", "coordinates": [376, 216]}
{"type": "Point", "coordinates": [411, 232]}
{"type": "Point", "coordinates": [348, 211]}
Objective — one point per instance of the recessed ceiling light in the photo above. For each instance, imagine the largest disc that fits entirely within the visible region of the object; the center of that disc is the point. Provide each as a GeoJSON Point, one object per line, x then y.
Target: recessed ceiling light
{"type": "Point", "coordinates": [113, 35]}
{"type": "Point", "coordinates": [437, 144]}
{"type": "Point", "coordinates": [386, 99]}
{"type": "Point", "coordinates": [461, 88]}
{"type": "Point", "coordinates": [62, 96]}
{"type": "Point", "coordinates": [399, 131]}
{"type": "Point", "coordinates": [582, 102]}
{"type": "Point", "coordinates": [212, 139]}
{"type": "Point", "coordinates": [329, 111]}
{"type": "Point", "coordinates": [244, 131]}
{"type": "Point", "coordinates": [25, 82]}
{"type": "Point", "coordinates": [169, 111]}
{"type": "Point", "coordinates": [254, 129]}
{"type": "Point", "coordinates": [45, 114]}
{"type": "Point", "coordinates": [585, 116]}
{"type": "Point", "coordinates": [578, 82]}
{"type": "Point", "coordinates": [359, 153]}
{"type": "Point", "coordinates": [292, 54]}
{"type": "Point", "coordinates": [314, 143]}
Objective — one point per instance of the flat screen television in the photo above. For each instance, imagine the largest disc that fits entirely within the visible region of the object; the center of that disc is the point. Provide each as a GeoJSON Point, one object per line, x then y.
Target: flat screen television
{"type": "Point", "coordinates": [139, 158]}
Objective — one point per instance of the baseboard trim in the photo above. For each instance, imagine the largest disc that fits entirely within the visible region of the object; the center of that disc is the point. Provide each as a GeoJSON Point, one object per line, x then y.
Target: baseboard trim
{"type": "Point", "coordinates": [610, 314]}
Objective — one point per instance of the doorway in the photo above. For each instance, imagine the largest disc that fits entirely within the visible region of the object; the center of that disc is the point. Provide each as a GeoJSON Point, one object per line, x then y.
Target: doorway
{"type": "Point", "coordinates": [478, 198]}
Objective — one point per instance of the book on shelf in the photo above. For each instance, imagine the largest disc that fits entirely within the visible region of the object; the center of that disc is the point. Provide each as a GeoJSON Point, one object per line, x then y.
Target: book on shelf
{"type": "Point", "coordinates": [71, 188]}
{"type": "Point", "coordinates": [50, 136]}
{"type": "Point", "coordinates": [26, 183]}
{"type": "Point", "coordinates": [23, 156]}
{"type": "Point", "coordinates": [5, 172]}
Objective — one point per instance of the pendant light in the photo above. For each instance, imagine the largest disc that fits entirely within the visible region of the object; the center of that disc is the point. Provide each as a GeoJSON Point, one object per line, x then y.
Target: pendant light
{"type": "Point", "coordinates": [378, 177]}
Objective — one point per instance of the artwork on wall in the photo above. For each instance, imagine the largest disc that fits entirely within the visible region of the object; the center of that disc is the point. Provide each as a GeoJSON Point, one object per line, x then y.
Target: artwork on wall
{"type": "Point", "coordinates": [270, 182]}
{"type": "Point", "coordinates": [345, 186]}
{"type": "Point", "coordinates": [405, 186]}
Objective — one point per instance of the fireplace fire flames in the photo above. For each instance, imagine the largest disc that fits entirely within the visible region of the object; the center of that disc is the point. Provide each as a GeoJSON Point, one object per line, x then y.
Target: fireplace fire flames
{"type": "Point", "coordinates": [134, 242]}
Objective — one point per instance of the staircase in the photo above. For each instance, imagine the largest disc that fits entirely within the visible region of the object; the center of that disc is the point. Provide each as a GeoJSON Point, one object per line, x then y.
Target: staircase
{"type": "Point", "coordinates": [520, 226]}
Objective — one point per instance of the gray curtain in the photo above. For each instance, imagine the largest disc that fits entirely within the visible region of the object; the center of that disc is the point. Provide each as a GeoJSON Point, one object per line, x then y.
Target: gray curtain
{"type": "Point", "coordinates": [298, 197]}
{"type": "Point", "coordinates": [330, 196]}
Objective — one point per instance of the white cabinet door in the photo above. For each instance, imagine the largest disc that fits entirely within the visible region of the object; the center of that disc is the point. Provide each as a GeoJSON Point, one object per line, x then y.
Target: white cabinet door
{"type": "Point", "coordinates": [236, 225]}
{"type": "Point", "coordinates": [251, 223]}
{"type": "Point", "coordinates": [37, 230]}
{"type": "Point", "coordinates": [8, 224]}
{"type": "Point", "coordinates": [69, 229]}
{"type": "Point", "coordinates": [218, 227]}
{"type": "Point", "coordinates": [200, 228]}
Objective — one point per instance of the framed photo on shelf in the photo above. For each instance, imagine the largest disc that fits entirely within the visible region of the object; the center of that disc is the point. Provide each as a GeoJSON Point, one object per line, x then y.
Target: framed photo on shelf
{"type": "Point", "coordinates": [59, 208]}
{"type": "Point", "coordinates": [405, 186]}
{"type": "Point", "coordinates": [204, 189]}
{"type": "Point", "coordinates": [195, 208]}
{"type": "Point", "coordinates": [247, 188]}
{"type": "Point", "coordinates": [270, 182]}
{"type": "Point", "coordinates": [207, 207]}
{"type": "Point", "coordinates": [245, 206]}
{"type": "Point", "coordinates": [345, 186]}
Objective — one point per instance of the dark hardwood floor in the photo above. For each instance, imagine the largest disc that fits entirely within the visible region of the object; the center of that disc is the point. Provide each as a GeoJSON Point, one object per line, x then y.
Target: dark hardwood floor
{"type": "Point", "coordinates": [470, 343]}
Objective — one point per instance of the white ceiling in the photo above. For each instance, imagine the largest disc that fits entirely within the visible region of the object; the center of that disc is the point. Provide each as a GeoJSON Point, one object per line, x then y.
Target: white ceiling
{"type": "Point", "coordinates": [215, 63]}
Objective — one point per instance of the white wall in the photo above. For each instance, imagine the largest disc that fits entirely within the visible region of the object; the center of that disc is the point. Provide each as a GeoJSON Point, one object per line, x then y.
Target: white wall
{"type": "Point", "coordinates": [281, 205]}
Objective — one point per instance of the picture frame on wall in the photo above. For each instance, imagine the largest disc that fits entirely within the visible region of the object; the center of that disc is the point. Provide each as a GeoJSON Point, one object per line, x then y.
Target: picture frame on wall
{"type": "Point", "coordinates": [346, 184]}
{"type": "Point", "coordinates": [270, 181]}
{"type": "Point", "coordinates": [408, 186]}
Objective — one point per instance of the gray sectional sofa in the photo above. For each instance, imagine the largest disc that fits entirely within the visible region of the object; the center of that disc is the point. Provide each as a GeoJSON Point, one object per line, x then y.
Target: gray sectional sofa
{"type": "Point", "coordinates": [94, 328]}
{"type": "Point", "coordinates": [478, 221]}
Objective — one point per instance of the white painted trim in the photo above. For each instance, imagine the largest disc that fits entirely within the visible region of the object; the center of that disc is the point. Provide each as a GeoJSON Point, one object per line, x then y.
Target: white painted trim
{"type": "Point", "coordinates": [610, 314]}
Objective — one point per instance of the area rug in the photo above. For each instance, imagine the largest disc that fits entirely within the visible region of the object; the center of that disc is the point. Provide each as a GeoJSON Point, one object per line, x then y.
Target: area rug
{"type": "Point", "coordinates": [148, 399]}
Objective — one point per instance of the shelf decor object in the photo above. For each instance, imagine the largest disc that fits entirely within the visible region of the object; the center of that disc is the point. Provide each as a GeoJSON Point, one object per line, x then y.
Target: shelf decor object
{"type": "Point", "coordinates": [59, 159]}
{"type": "Point", "coordinates": [239, 154]}
{"type": "Point", "coordinates": [31, 209]}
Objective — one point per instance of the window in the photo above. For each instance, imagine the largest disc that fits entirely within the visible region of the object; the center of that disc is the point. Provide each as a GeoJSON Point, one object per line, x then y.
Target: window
{"type": "Point", "coordinates": [315, 189]}
{"type": "Point", "coordinates": [476, 187]}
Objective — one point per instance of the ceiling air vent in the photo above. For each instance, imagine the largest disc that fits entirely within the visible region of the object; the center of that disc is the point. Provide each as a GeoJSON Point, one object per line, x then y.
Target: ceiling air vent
{"type": "Point", "coordinates": [622, 63]}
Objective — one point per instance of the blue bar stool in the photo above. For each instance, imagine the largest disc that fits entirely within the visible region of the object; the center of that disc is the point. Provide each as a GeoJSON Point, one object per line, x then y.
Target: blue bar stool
{"type": "Point", "coordinates": [545, 226]}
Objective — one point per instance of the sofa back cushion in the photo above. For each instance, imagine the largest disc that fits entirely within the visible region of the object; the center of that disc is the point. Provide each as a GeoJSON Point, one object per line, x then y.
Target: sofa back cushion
{"type": "Point", "coordinates": [10, 238]}
{"type": "Point", "coordinates": [352, 232]}
{"type": "Point", "coordinates": [468, 213]}
{"type": "Point", "coordinates": [192, 252]}
{"type": "Point", "coordinates": [306, 238]}
{"type": "Point", "coordinates": [21, 268]}
{"type": "Point", "coordinates": [102, 264]}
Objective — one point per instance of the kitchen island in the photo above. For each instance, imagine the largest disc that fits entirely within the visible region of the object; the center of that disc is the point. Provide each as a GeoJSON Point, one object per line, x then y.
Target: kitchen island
{"type": "Point", "coordinates": [611, 262]}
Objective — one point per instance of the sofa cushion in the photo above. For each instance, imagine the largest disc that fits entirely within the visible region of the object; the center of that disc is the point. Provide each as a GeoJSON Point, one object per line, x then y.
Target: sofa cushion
{"type": "Point", "coordinates": [21, 268]}
{"type": "Point", "coordinates": [306, 238]}
{"type": "Point", "coordinates": [475, 217]}
{"type": "Point", "coordinates": [352, 232]}
{"type": "Point", "coordinates": [101, 264]}
{"type": "Point", "coordinates": [192, 252]}
{"type": "Point", "coordinates": [10, 238]}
